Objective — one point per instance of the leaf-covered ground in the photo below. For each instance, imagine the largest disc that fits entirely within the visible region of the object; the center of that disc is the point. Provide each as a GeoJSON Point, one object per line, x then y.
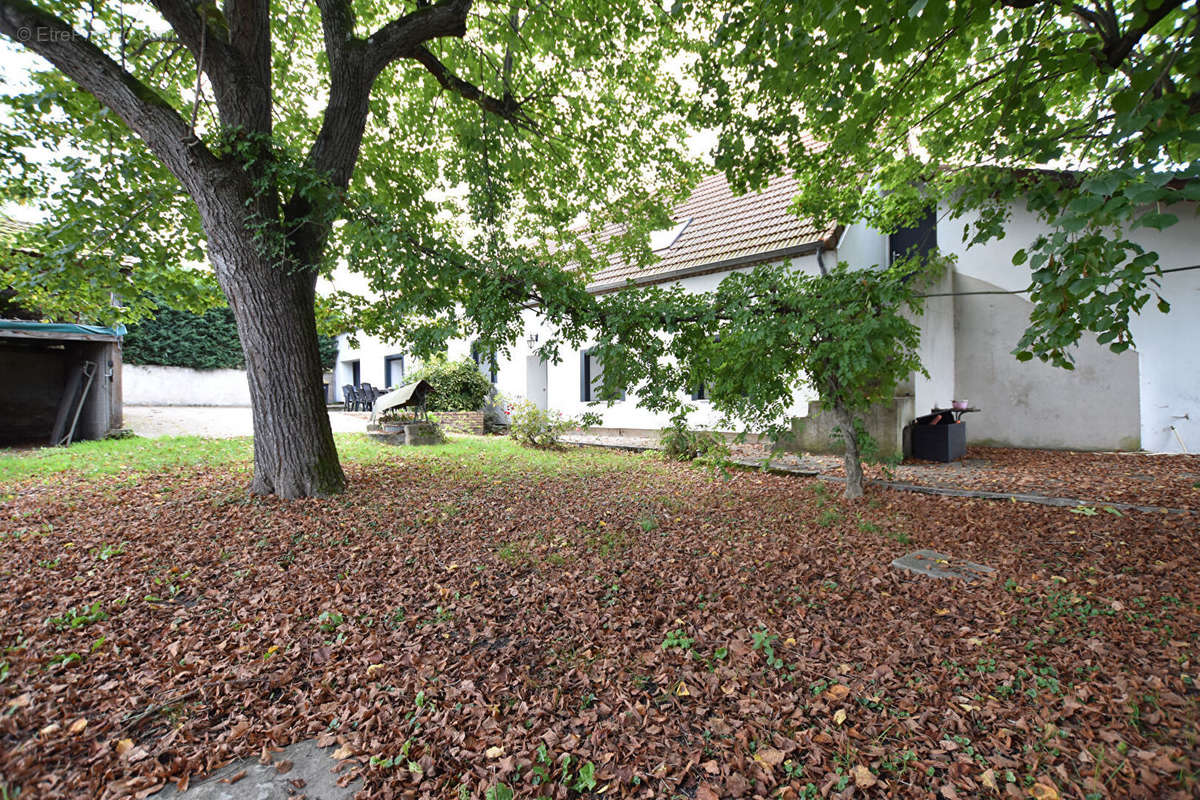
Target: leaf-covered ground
{"type": "Point", "coordinates": [584, 625]}
{"type": "Point", "coordinates": [1171, 481]}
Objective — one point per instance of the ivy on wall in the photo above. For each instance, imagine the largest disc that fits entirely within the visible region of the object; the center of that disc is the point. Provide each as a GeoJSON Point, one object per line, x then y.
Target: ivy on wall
{"type": "Point", "coordinates": [174, 338]}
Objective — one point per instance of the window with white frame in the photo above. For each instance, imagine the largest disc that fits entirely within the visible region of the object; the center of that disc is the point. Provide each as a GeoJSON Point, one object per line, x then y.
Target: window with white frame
{"type": "Point", "coordinates": [393, 370]}
{"type": "Point", "coordinates": [485, 361]}
{"type": "Point", "coordinates": [591, 377]}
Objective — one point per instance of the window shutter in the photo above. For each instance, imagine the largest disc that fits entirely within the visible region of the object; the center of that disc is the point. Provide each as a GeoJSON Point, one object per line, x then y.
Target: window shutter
{"type": "Point", "coordinates": [585, 376]}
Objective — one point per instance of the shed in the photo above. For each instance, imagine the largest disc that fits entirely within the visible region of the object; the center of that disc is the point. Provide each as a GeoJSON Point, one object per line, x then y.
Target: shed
{"type": "Point", "coordinates": [61, 382]}
{"type": "Point", "coordinates": [410, 395]}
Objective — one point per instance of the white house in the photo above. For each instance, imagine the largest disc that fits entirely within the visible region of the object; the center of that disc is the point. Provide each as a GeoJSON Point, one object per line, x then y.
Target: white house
{"type": "Point", "coordinates": [1148, 398]}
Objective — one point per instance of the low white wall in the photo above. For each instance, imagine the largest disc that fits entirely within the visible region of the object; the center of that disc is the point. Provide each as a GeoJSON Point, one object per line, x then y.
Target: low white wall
{"type": "Point", "coordinates": [180, 386]}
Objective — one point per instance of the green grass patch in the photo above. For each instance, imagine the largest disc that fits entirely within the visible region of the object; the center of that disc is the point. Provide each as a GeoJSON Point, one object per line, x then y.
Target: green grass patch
{"type": "Point", "coordinates": [496, 456]}
{"type": "Point", "coordinates": [490, 456]}
{"type": "Point", "coordinates": [113, 456]}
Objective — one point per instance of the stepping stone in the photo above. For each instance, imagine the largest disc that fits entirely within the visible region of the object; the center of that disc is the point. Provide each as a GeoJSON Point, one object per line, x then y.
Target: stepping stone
{"type": "Point", "coordinates": [309, 777]}
{"type": "Point", "coordinates": [933, 564]}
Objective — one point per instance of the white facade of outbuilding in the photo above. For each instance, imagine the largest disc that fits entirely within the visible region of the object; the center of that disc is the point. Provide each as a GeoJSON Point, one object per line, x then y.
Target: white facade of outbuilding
{"type": "Point", "coordinates": [1147, 398]}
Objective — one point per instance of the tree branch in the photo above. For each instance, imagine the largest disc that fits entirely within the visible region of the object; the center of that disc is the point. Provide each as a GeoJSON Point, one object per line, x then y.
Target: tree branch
{"type": "Point", "coordinates": [1118, 49]}
{"type": "Point", "coordinates": [335, 150]}
{"type": "Point", "coordinates": [250, 38]}
{"type": "Point", "coordinates": [242, 99]}
{"type": "Point", "coordinates": [401, 38]}
{"type": "Point", "coordinates": [354, 65]}
{"type": "Point", "coordinates": [149, 116]}
{"type": "Point", "coordinates": [505, 107]}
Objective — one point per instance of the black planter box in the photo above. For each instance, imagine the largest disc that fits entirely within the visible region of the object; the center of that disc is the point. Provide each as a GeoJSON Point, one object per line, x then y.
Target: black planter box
{"type": "Point", "coordinates": [945, 441]}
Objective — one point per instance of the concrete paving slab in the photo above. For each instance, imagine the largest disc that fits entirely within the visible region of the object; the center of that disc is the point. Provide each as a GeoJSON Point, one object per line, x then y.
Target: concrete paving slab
{"type": "Point", "coordinates": [933, 564]}
{"type": "Point", "coordinates": [310, 777]}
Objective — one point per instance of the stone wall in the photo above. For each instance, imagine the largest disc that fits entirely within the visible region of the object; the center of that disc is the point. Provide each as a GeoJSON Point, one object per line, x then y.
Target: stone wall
{"type": "Point", "coordinates": [460, 421]}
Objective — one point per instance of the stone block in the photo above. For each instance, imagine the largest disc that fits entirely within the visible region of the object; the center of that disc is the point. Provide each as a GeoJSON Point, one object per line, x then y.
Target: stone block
{"type": "Point", "coordinates": [419, 433]}
{"type": "Point", "coordinates": [933, 564]}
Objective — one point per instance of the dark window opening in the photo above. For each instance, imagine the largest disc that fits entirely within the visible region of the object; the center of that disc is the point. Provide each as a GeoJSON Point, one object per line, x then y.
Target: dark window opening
{"type": "Point", "coordinates": [393, 370]}
{"type": "Point", "coordinates": [591, 378]}
{"type": "Point", "coordinates": [920, 239]}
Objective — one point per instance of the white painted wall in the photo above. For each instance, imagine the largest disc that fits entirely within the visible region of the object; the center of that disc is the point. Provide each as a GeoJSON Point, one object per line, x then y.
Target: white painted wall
{"type": "Point", "coordinates": [1167, 343]}
{"type": "Point", "coordinates": [862, 247]}
{"type": "Point", "coordinates": [1032, 404]}
{"type": "Point", "coordinates": [966, 347]}
{"type": "Point", "coordinates": [1168, 373]}
{"type": "Point", "coordinates": [179, 386]}
{"type": "Point", "coordinates": [370, 353]}
{"type": "Point", "coordinates": [937, 350]}
{"type": "Point", "coordinates": [565, 377]}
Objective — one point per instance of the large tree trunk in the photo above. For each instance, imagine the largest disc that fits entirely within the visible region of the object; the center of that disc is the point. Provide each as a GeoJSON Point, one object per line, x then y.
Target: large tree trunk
{"type": "Point", "coordinates": [294, 451]}
{"type": "Point", "coordinates": [853, 457]}
{"type": "Point", "coordinates": [271, 295]}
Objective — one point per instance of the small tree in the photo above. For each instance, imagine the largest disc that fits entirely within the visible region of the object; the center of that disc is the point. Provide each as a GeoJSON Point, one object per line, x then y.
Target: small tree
{"type": "Point", "coordinates": [762, 336]}
{"type": "Point", "coordinates": [457, 385]}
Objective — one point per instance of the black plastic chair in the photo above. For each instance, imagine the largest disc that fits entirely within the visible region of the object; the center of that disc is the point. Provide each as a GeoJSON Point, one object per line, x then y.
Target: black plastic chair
{"type": "Point", "coordinates": [366, 397]}
{"type": "Point", "coordinates": [349, 400]}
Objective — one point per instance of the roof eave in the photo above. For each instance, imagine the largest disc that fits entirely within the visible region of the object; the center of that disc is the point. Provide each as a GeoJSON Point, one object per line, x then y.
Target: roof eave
{"type": "Point", "coordinates": [808, 248]}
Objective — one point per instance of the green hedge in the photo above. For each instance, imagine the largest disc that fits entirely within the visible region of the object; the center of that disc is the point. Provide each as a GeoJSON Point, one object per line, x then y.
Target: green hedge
{"type": "Point", "coordinates": [457, 385]}
{"type": "Point", "coordinates": [174, 338]}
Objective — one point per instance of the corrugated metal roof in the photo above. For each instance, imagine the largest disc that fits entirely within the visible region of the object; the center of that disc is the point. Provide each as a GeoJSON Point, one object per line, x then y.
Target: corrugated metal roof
{"type": "Point", "coordinates": [724, 228]}
{"type": "Point", "coordinates": [21, 329]}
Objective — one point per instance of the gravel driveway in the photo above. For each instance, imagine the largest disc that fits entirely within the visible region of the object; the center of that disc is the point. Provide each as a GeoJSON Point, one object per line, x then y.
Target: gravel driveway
{"type": "Point", "coordinates": [215, 421]}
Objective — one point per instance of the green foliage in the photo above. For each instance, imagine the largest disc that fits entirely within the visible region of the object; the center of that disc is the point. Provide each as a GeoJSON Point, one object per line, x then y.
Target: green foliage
{"type": "Point", "coordinates": [681, 443]}
{"type": "Point", "coordinates": [967, 103]}
{"type": "Point", "coordinates": [764, 641]}
{"type": "Point", "coordinates": [78, 617]}
{"type": "Point", "coordinates": [328, 349]}
{"type": "Point", "coordinates": [500, 791]}
{"type": "Point", "coordinates": [677, 639]}
{"type": "Point", "coordinates": [555, 123]}
{"type": "Point", "coordinates": [761, 336]}
{"type": "Point", "coordinates": [209, 340]}
{"type": "Point", "coordinates": [457, 385]}
{"type": "Point", "coordinates": [537, 427]}
{"type": "Point", "coordinates": [182, 339]}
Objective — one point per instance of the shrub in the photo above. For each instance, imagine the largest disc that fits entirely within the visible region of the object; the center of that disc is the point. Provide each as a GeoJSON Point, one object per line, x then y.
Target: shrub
{"type": "Point", "coordinates": [181, 339]}
{"type": "Point", "coordinates": [173, 338]}
{"type": "Point", "coordinates": [682, 444]}
{"type": "Point", "coordinates": [457, 385]}
{"type": "Point", "coordinates": [537, 427]}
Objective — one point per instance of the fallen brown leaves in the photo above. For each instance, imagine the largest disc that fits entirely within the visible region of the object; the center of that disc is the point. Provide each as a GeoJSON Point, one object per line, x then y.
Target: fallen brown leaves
{"type": "Point", "coordinates": [1171, 481]}
{"type": "Point", "coordinates": [682, 634]}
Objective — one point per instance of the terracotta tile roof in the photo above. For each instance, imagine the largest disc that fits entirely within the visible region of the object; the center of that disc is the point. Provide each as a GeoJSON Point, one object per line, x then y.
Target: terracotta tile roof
{"type": "Point", "coordinates": [725, 228]}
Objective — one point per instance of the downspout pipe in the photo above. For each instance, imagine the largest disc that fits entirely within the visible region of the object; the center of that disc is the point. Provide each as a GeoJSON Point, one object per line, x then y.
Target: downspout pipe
{"type": "Point", "coordinates": [821, 259]}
